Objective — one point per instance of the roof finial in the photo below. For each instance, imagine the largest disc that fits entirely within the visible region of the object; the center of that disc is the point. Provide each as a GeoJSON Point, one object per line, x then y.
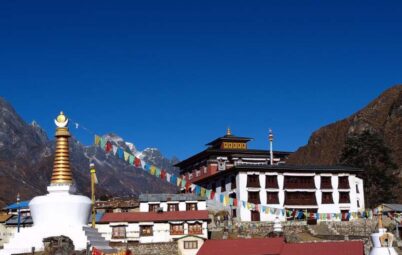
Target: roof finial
{"type": "Point", "coordinates": [380, 217]}
{"type": "Point", "coordinates": [228, 131]}
{"type": "Point", "coordinates": [61, 168]}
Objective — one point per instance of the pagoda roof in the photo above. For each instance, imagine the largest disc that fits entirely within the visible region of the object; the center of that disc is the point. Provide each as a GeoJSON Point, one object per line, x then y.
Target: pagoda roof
{"type": "Point", "coordinates": [229, 138]}
{"type": "Point", "coordinates": [234, 152]}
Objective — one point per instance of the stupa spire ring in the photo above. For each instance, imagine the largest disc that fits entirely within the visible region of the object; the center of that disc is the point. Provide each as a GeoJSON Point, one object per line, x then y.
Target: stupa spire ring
{"type": "Point", "coordinates": [61, 168]}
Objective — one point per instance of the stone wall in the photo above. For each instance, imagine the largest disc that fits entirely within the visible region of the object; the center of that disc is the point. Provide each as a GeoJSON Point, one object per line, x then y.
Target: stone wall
{"type": "Point", "coordinates": [155, 249]}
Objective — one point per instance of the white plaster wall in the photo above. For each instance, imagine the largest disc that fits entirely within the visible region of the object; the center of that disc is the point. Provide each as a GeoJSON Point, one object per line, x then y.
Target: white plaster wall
{"type": "Point", "coordinates": [6, 233]}
{"type": "Point", "coordinates": [161, 232]}
{"type": "Point", "coordinates": [180, 244]}
{"type": "Point", "coordinates": [144, 207]}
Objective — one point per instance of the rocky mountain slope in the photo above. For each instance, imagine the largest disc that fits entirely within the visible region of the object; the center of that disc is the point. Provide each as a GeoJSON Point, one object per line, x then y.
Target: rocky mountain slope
{"type": "Point", "coordinates": [26, 161]}
{"type": "Point", "coordinates": [382, 117]}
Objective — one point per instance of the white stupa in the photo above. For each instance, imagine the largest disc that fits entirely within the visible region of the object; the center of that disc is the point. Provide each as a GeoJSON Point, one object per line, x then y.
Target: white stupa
{"type": "Point", "coordinates": [59, 212]}
{"type": "Point", "coordinates": [382, 240]}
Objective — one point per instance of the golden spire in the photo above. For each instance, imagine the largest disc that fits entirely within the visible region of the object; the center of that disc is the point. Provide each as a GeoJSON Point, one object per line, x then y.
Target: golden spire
{"type": "Point", "coordinates": [61, 168]}
{"type": "Point", "coordinates": [380, 217]}
{"type": "Point", "coordinates": [228, 132]}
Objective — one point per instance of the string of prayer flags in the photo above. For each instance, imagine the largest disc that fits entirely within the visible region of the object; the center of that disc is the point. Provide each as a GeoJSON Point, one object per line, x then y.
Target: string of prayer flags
{"type": "Point", "coordinates": [119, 152]}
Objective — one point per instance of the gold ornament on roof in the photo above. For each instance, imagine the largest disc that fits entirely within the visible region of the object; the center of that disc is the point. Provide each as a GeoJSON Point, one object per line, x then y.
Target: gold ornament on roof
{"type": "Point", "coordinates": [61, 120]}
{"type": "Point", "coordinates": [228, 131]}
{"type": "Point", "coordinates": [61, 168]}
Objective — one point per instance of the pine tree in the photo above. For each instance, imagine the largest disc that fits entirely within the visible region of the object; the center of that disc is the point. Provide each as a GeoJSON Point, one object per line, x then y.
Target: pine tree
{"type": "Point", "coordinates": [369, 152]}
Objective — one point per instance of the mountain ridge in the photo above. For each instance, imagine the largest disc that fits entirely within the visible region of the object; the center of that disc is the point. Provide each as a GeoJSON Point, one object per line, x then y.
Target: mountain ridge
{"type": "Point", "coordinates": [382, 116]}
{"type": "Point", "coordinates": [26, 163]}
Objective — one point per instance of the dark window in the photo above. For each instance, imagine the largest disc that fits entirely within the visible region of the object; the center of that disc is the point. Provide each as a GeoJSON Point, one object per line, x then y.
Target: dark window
{"type": "Point", "coordinates": [234, 213]}
{"type": "Point", "coordinates": [176, 229]}
{"type": "Point", "coordinates": [357, 188]}
{"type": "Point", "coordinates": [255, 215]}
{"type": "Point", "coordinates": [146, 231]}
{"type": "Point", "coordinates": [153, 207]}
{"type": "Point", "coordinates": [223, 186]}
{"type": "Point", "coordinates": [253, 181]}
{"type": "Point", "coordinates": [254, 197]}
{"type": "Point", "coordinates": [300, 198]}
{"type": "Point", "coordinates": [190, 245]}
{"type": "Point", "coordinates": [195, 229]}
{"type": "Point", "coordinates": [358, 203]}
{"type": "Point", "coordinates": [271, 181]}
{"type": "Point", "coordinates": [326, 182]}
{"type": "Point", "coordinates": [213, 187]}
{"type": "Point", "coordinates": [272, 198]}
{"type": "Point", "coordinates": [344, 197]}
{"type": "Point", "coordinates": [343, 182]}
{"type": "Point", "coordinates": [173, 207]}
{"type": "Point", "coordinates": [299, 182]}
{"type": "Point", "coordinates": [119, 232]}
{"type": "Point", "coordinates": [327, 198]}
{"type": "Point", "coordinates": [191, 206]}
{"type": "Point", "coordinates": [233, 182]}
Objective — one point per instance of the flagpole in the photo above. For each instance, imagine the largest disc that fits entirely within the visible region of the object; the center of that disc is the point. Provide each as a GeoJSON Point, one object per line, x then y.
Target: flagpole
{"type": "Point", "coordinates": [93, 211]}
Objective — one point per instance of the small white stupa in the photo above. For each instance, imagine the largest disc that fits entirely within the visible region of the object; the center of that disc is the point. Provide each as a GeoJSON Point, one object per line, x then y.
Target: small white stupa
{"type": "Point", "coordinates": [382, 240]}
{"type": "Point", "coordinates": [59, 212]}
{"type": "Point", "coordinates": [277, 226]}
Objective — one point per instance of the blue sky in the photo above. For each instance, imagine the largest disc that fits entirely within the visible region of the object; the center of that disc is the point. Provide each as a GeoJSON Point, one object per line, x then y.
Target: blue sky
{"type": "Point", "coordinates": [176, 74]}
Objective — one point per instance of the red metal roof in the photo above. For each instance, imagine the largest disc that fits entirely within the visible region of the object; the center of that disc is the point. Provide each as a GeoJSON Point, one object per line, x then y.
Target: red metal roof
{"type": "Point", "coordinates": [324, 248]}
{"type": "Point", "coordinates": [277, 246]}
{"type": "Point", "coordinates": [255, 246]}
{"type": "Point", "coordinates": [154, 216]}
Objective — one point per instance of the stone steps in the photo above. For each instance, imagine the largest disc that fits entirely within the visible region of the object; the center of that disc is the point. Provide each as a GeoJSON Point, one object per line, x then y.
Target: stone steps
{"type": "Point", "coordinates": [96, 240]}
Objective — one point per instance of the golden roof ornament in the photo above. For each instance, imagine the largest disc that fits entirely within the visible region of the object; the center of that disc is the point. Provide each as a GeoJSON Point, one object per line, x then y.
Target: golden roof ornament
{"type": "Point", "coordinates": [61, 168]}
{"type": "Point", "coordinates": [228, 132]}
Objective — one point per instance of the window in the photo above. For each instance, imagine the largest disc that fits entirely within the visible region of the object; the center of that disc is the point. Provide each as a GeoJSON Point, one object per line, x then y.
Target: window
{"type": "Point", "coordinates": [300, 198]}
{"type": "Point", "coordinates": [176, 229]}
{"type": "Point", "coordinates": [344, 197]}
{"type": "Point", "coordinates": [299, 182]}
{"type": "Point", "coordinates": [357, 189]}
{"type": "Point", "coordinates": [234, 213]}
{"type": "Point", "coordinates": [254, 197]}
{"type": "Point", "coordinates": [119, 232]}
{"type": "Point", "coordinates": [173, 207]}
{"type": "Point", "coordinates": [190, 176]}
{"type": "Point", "coordinates": [233, 182]}
{"type": "Point", "coordinates": [213, 188]}
{"type": "Point", "coordinates": [153, 207]}
{"type": "Point", "coordinates": [271, 182]}
{"type": "Point", "coordinates": [343, 182]}
{"type": "Point", "coordinates": [272, 198]}
{"type": "Point", "coordinates": [195, 229]}
{"type": "Point", "coordinates": [190, 245]}
{"type": "Point", "coordinates": [221, 164]}
{"type": "Point", "coordinates": [197, 173]}
{"type": "Point", "coordinates": [146, 230]}
{"type": "Point", "coordinates": [326, 182]}
{"type": "Point", "coordinates": [223, 186]}
{"type": "Point", "coordinates": [191, 206]}
{"type": "Point", "coordinates": [327, 198]}
{"type": "Point", "coordinates": [253, 181]}
{"type": "Point", "coordinates": [358, 203]}
{"type": "Point", "coordinates": [255, 215]}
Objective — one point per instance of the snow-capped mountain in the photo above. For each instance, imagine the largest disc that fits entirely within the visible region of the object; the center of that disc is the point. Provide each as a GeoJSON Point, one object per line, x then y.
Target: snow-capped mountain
{"type": "Point", "coordinates": [26, 163]}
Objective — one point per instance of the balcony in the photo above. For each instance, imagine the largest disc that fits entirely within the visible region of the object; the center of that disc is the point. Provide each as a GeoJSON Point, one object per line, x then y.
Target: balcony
{"type": "Point", "coordinates": [300, 198]}
{"type": "Point", "coordinates": [295, 182]}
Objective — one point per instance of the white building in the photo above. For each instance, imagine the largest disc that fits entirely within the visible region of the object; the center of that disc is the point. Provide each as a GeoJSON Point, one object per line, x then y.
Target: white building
{"type": "Point", "coordinates": [171, 202]}
{"type": "Point", "coordinates": [153, 227]}
{"type": "Point", "coordinates": [311, 189]}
